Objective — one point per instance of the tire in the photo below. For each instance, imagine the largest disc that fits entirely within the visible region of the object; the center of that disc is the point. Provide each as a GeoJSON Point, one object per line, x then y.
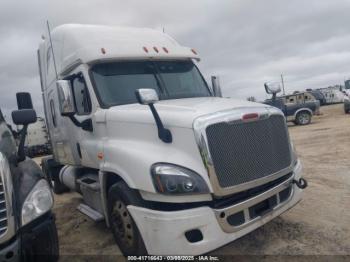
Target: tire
{"type": "Point", "coordinates": [303, 118]}
{"type": "Point", "coordinates": [124, 228]}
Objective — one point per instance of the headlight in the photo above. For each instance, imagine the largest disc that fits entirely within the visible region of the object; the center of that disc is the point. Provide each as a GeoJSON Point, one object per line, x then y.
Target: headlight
{"type": "Point", "coordinates": [175, 180]}
{"type": "Point", "coordinates": [38, 202]}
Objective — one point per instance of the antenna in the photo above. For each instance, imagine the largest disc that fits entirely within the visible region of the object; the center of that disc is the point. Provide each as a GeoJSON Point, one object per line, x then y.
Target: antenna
{"type": "Point", "coordinates": [53, 54]}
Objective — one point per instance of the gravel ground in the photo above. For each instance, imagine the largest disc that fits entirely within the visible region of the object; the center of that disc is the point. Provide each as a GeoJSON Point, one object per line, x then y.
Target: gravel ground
{"type": "Point", "coordinates": [319, 225]}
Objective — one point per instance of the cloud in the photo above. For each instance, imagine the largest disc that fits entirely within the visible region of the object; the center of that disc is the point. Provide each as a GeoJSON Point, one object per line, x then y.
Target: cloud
{"type": "Point", "coordinates": [245, 42]}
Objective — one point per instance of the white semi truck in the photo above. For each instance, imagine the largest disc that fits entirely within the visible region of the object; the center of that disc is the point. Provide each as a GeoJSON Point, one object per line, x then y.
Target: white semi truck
{"type": "Point", "coordinates": [172, 167]}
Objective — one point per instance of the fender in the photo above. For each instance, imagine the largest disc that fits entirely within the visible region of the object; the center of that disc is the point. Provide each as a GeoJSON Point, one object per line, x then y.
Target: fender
{"type": "Point", "coordinates": [303, 109]}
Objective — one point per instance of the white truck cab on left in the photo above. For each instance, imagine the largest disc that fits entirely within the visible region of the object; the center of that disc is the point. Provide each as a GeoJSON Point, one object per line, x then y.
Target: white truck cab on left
{"type": "Point", "coordinates": [27, 224]}
{"type": "Point", "coordinates": [170, 165]}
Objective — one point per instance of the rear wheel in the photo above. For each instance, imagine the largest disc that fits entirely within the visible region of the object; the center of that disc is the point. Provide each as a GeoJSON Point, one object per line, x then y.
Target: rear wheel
{"type": "Point", "coordinates": [124, 228]}
{"type": "Point", "coordinates": [303, 118]}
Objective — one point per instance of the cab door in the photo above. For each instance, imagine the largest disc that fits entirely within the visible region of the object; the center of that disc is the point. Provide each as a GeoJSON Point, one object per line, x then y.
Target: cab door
{"type": "Point", "coordinates": [61, 131]}
{"type": "Point", "coordinates": [88, 143]}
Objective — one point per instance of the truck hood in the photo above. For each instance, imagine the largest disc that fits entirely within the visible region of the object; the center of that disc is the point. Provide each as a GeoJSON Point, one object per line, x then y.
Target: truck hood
{"type": "Point", "coordinates": [177, 112]}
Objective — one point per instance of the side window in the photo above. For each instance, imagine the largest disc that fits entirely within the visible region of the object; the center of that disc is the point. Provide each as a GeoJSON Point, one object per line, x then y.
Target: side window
{"type": "Point", "coordinates": [81, 96]}
{"type": "Point", "coordinates": [53, 113]}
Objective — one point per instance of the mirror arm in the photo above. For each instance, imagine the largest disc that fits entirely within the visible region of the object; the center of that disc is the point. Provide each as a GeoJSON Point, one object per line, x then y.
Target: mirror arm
{"type": "Point", "coordinates": [163, 133]}
{"type": "Point", "coordinates": [21, 154]}
{"type": "Point", "coordinates": [85, 125]}
{"type": "Point", "coordinates": [274, 96]}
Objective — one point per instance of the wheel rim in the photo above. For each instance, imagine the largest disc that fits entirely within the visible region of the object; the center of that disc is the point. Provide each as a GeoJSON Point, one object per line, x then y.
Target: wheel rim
{"type": "Point", "coordinates": [122, 223]}
{"type": "Point", "coordinates": [304, 119]}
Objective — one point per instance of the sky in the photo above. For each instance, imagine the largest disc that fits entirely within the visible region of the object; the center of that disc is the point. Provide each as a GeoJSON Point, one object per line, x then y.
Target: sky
{"type": "Point", "coordinates": [244, 42]}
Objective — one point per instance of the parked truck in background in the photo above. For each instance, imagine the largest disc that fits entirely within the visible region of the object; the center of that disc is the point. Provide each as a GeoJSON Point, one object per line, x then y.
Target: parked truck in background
{"type": "Point", "coordinates": [27, 225]}
{"type": "Point", "coordinates": [37, 142]}
{"type": "Point", "coordinates": [172, 167]}
{"type": "Point", "coordinates": [333, 95]}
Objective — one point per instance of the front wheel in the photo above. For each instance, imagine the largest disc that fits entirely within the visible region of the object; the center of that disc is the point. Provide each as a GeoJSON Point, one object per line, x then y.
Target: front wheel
{"type": "Point", "coordinates": [303, 118]}
{"type": "Point", "coordinates": [124, 228]}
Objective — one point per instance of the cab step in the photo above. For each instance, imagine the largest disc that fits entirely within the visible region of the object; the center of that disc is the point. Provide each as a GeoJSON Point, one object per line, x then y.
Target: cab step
{"type": "Point", "coordinates": [91, 213]}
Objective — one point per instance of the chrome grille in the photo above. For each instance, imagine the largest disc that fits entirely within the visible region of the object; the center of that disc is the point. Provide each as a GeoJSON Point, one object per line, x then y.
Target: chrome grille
{"type": "Point", "coordinates": [3, 210]}
{"type": "Point", "coordinates": [243, 152]}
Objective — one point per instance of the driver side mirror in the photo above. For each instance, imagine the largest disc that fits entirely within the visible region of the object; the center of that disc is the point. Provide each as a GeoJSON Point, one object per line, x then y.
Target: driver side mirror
{"type": "Point", "coordinates": [24, 117]}
{"type": "Point", "coordinates": [272, 88]}
{"type": "Point", "coordinates": [65, 98]}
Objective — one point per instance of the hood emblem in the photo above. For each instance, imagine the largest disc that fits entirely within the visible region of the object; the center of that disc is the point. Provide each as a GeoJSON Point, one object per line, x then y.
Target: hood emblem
{"type": "Point", "coordinates": [250, 117]}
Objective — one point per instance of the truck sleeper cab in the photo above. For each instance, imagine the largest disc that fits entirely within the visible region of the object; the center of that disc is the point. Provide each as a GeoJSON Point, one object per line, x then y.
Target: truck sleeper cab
{"type": "Point", "coordinates": [27, 225]}
{"type": "Point", "coordinates": [171, 168]}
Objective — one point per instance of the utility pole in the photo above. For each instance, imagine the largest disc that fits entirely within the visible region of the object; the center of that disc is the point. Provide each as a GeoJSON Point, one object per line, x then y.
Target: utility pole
{"type": "Point", "coordinates": [284, 91]}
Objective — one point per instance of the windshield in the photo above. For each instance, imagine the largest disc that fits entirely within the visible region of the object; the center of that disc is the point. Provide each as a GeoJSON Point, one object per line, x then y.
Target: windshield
{"type": "Point", "coordinates": [117, 82]}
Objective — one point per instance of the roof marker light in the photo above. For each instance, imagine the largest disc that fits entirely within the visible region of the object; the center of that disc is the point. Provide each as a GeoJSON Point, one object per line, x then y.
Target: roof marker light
{"type": "Point", "coordinates": [165, 50]}
{"type": "Point", "coordinates": [145, 49]}
{"type": "Point", "coordinates": [156, 49]}
{"type": "Point", "coordinates": [103, 51]}
{"type": "Point", "coordinates": [194, 51]}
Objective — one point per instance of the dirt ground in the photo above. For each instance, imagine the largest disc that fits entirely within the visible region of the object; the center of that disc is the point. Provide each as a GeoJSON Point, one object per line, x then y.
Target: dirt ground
{"type": "Point", "coordinates": [319, 225]}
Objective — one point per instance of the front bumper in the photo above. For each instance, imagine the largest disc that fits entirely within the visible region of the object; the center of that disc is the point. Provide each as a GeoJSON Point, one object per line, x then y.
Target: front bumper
{"type": "Point", "coordinates": [36, 241]}
{"type": "Point", "coordinates": [164, 232]}
{"type": "Point", "coordinates": [10, 252]}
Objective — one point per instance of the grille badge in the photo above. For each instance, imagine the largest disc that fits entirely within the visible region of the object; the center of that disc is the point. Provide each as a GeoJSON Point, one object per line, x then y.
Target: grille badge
{"type": "Point", "coordinates": [250, 117]}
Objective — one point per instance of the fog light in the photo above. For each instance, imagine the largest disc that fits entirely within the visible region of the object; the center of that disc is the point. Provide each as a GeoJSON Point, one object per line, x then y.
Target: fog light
{"type": "Point", "coordinates": [194, 236]}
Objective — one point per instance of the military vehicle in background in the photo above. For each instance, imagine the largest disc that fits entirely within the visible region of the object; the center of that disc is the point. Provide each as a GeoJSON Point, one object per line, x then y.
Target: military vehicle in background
{"type": "Point", "coordinates": [318, 96]}
{"type": "Point", "coordinates": [297, 108]}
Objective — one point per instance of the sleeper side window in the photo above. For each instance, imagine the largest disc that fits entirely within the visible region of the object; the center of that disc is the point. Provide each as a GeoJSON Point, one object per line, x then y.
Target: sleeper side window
{"type": "Point", "coordinates": [81, 95]}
